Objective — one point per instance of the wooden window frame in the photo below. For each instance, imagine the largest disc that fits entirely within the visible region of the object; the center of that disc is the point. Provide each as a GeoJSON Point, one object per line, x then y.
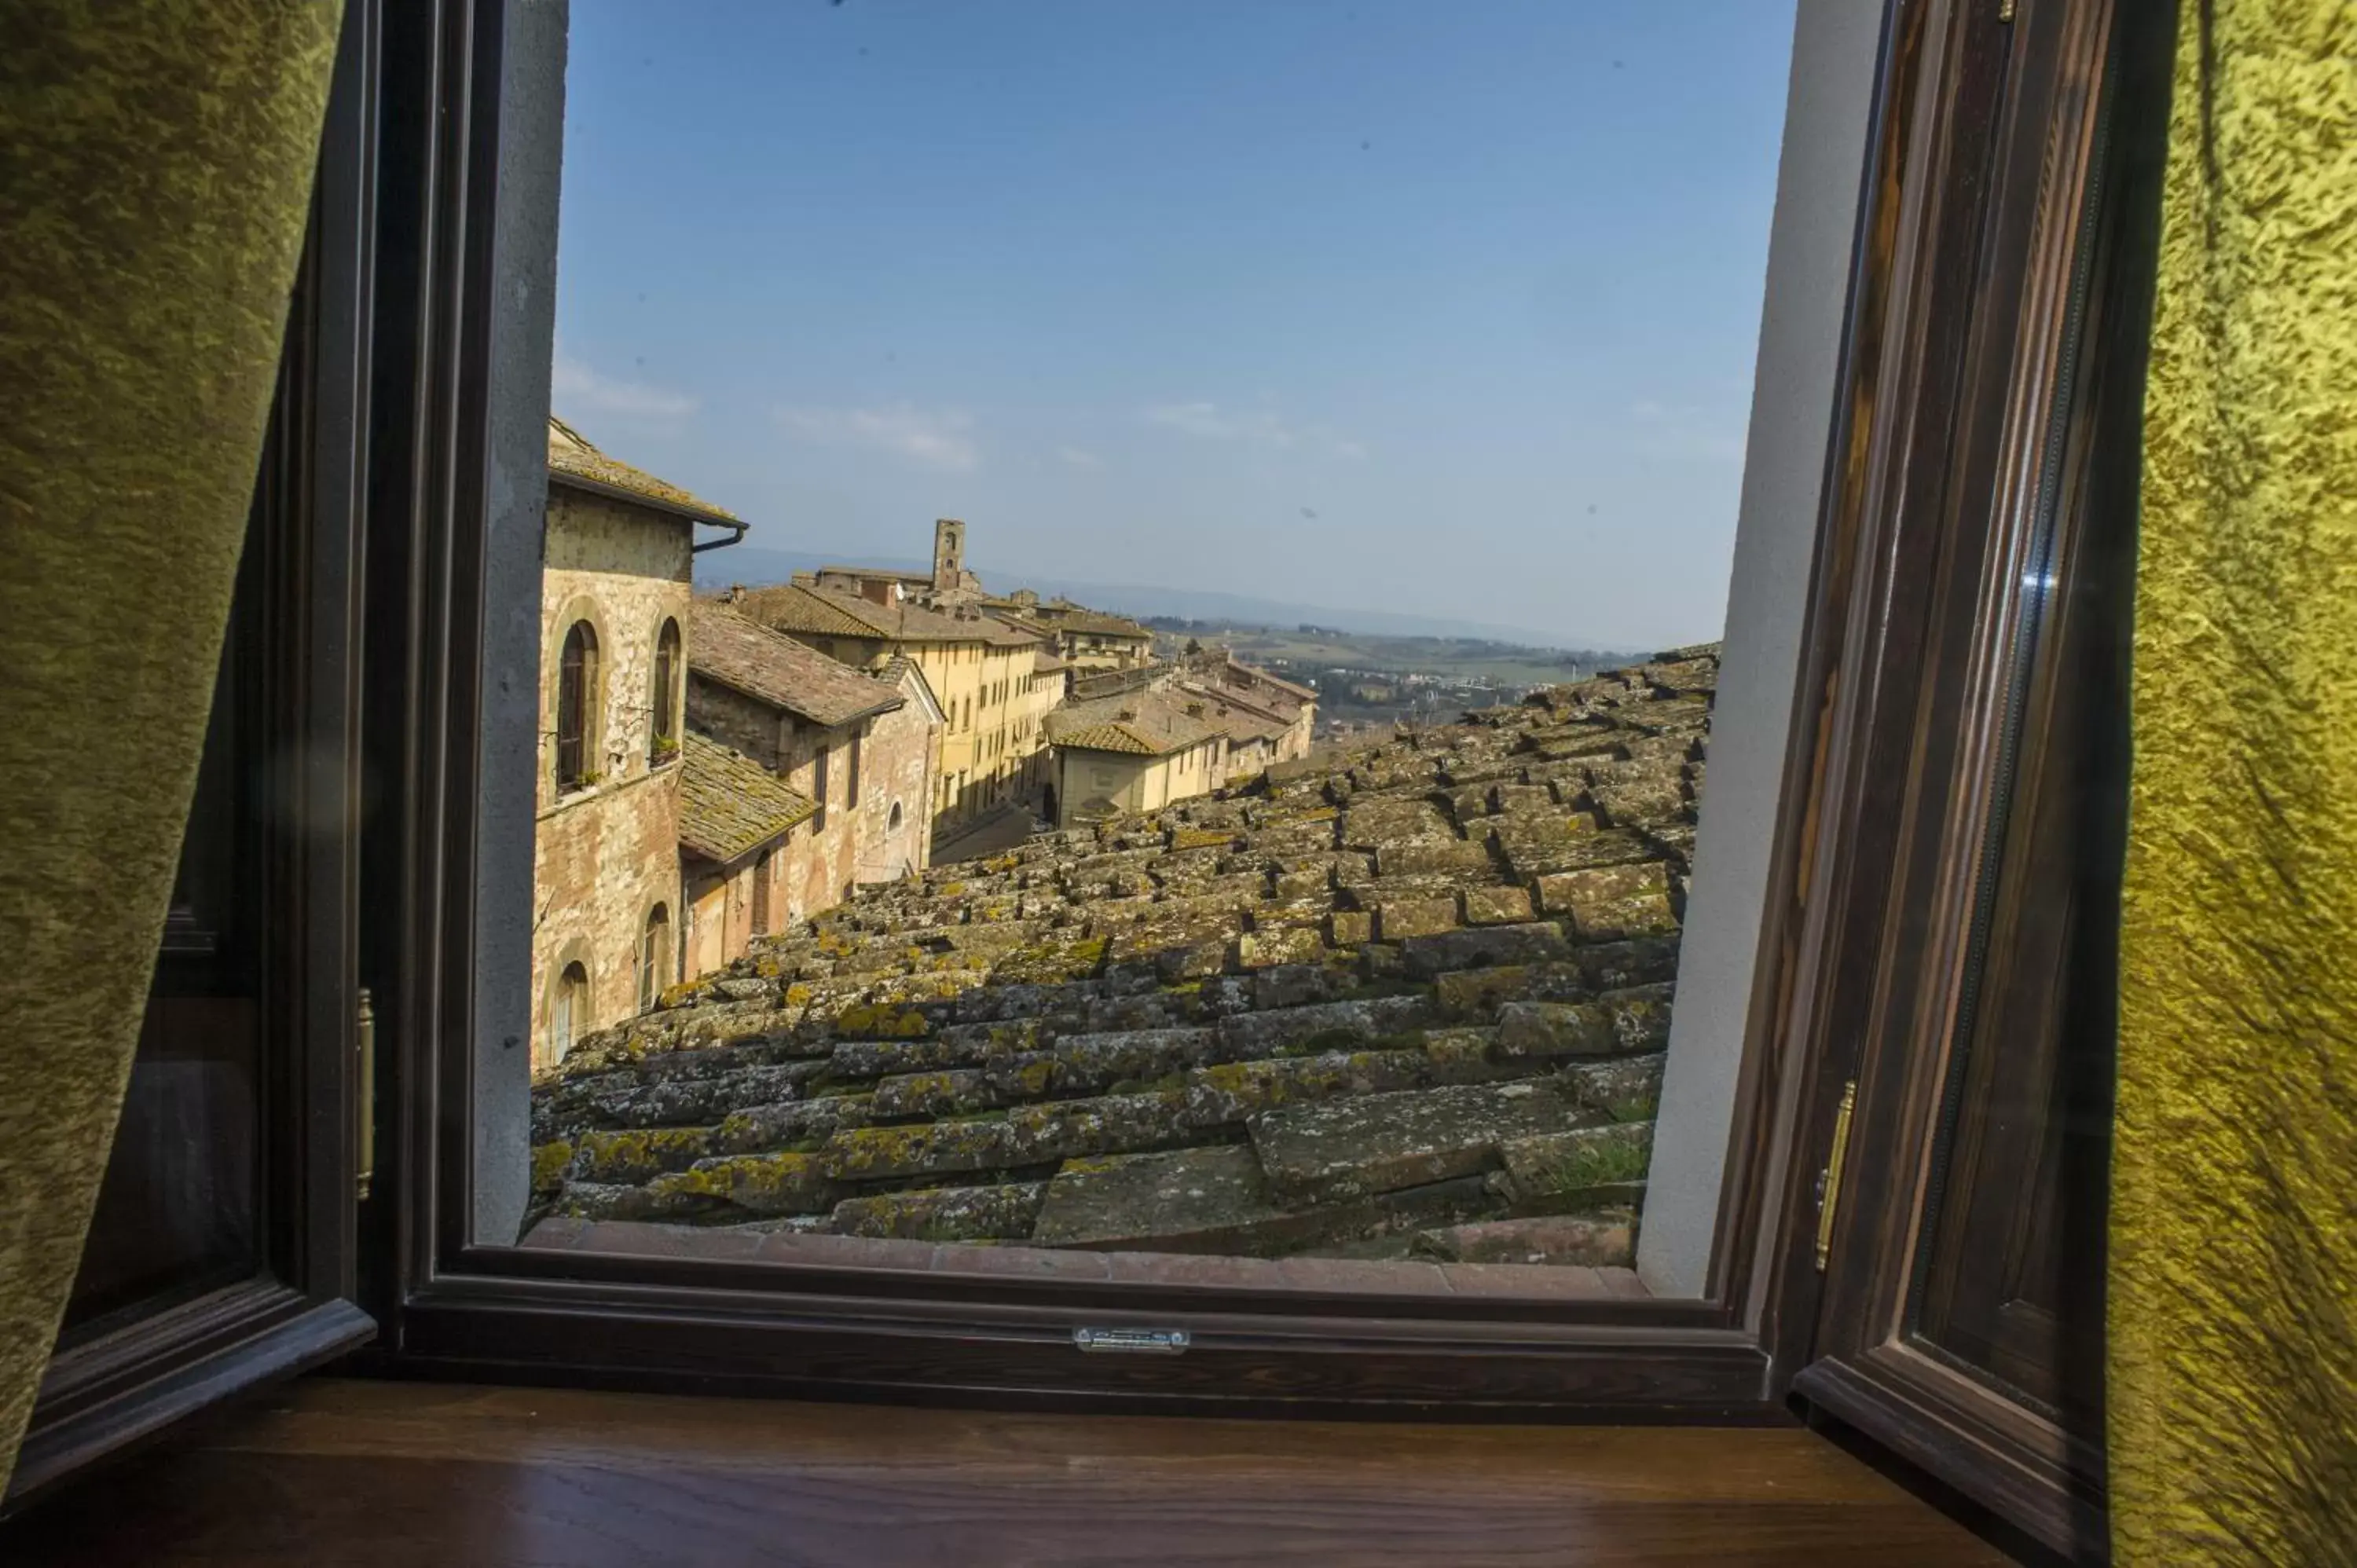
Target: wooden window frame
{"type": "Point", "coordinates": [654, 937]}
{"type": "Point", "coordinates": [2040, 416]}
{"type": "Point", "coordinates": [670, 686]}
{"type": "Point", "coordinates": [577, 683]}
{"type": "Point", "coordinates": [454, 1308]}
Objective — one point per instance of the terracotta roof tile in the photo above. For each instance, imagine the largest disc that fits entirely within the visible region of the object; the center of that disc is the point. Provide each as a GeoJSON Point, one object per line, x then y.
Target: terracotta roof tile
{"type": "Point", "coordinates": [729, 805]}
{"type": "Point", "coordinates": [829, 612]}
{"type": "Point", "coordinates": [745, 656]}
{"type": "Point", "coordinates": [1146, 723]}
{"type": "Point", "coordinates": [571, 455]}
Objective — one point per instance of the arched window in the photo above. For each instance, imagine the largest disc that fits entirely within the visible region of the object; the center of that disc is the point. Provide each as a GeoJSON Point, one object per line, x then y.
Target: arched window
{"type": "Point", "coordinates": [577, 707]}
{"type": "Point", "coordinates": [892, 824]}
{"type": "Point", "coordinates": [662, 739]}
{"type": "Point", "coordinates": [654, 957]}
{"type": "Point", "coordinates": [568, 1012]}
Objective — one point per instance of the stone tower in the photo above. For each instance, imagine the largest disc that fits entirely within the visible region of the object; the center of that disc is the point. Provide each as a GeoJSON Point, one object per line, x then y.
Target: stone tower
{"type": "Point", "coordinates": [949, 556]}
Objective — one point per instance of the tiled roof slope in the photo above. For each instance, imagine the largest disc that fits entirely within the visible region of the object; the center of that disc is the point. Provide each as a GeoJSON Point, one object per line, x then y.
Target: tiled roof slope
{"type": "Point", "coordinates": [1242, 717]}
{"type": "Point", "coordinates": [1100, 624]}
{"type": "Point", "coordinates": [1063, 615]}
{"type": "Point", "coordinates": [1143, 724]}
{"type": "Point", "coordinates": [1222, 666]}
{"type": "Point", "coordinates": [572, 456]}
{"type": "Point", "coordinates": [729, 805]}
{"type": "Point", "coordinates": [1405, 1001]}
{"type": "Point", "coordinates": [826, 612]}
{"type": "Point", "coordinates": [746, 656]}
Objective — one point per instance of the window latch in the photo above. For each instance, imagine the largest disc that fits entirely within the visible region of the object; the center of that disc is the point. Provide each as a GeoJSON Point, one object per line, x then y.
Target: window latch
{"type": "Point", "coordinates": [364, 1093]}
{"type": "Point", "coordinates": [1829, 1180]}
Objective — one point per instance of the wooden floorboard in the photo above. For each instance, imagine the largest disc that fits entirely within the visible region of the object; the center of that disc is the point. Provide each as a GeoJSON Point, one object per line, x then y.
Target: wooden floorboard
{"type": "Point", "coordinates": [341, 1472]}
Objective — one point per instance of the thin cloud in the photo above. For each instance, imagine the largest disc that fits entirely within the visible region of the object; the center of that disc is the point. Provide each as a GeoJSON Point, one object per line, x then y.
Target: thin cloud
{"type": "Point", "coordinates": [1212, 423]}
{"type": "Point", "coordinates": [942, 439]}
{"type": "Point", "coordinates": [574, 387]}
{"type": "Point", "coordinates": [1256, 426]}
{"type": "Point", "coordinates": [1077, 459]}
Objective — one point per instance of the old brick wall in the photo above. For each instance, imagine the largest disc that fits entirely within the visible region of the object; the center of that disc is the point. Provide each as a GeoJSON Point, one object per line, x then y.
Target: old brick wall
{"type": "Point", "coordinates": [606, 857]}
{"type": "Point", "coordinates": [734, 719]}
{"type": "Point", "coordinates": [625, 569]}
{"type": "Point", "coordinates": [602, 861]}
{"type": "Point", "coordinates": [895, 768]}
{"type": "Point", "coordinates": [816, 859]}
{"type": "Point", "coordinates": [724, 903]}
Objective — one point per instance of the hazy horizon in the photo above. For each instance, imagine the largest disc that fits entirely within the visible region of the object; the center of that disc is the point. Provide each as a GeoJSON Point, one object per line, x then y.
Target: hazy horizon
{"type": "Point", "coordinates": [1376, 305]}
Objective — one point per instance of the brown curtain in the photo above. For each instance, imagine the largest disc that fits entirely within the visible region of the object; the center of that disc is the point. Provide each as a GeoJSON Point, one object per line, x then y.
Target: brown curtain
{"type": "Point", "coordinates": [2233, 1361]}
{"type": "Point", "coordinates": [156, 166]}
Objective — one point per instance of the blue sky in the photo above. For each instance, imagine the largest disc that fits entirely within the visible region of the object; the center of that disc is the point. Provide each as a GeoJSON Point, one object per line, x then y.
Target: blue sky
{"type": "Point", "coordinates": [1382, 304]}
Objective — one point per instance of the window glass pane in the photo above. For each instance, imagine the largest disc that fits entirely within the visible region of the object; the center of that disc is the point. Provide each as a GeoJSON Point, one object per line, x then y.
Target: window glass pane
{"type": "Point", "coordinates": [1254, 487]}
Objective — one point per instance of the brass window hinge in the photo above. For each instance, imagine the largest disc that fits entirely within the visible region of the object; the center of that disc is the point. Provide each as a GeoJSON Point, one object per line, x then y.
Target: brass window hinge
{"type": "Point", "coordinates": [1829, 1184]}
{"type": "Point", "coordinates": [364, 1092]}
{"type": "Point", "coordinates": [2004, 10]}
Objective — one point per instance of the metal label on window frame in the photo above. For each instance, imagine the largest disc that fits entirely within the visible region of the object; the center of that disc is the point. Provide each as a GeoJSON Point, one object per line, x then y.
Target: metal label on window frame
{"type": "Point", "coordinates": [1131, 1341]}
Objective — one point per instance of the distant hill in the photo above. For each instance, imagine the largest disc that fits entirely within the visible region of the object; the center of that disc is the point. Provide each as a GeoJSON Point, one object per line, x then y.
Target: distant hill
{"type": "Point", "coordinates": [754, 564]}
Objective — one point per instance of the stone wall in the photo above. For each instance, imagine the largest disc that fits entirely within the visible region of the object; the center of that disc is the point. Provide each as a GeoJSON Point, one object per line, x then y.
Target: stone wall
{"type": "Point", "coordinates": [816, 864]}
{"type": "Point", "coordinates": [626, 570]}
{"type": "Point", "coordinates": [899, 759]}
{"type": "Point", "coordinates": [722, 903]}
{"type": "Point", "coordinates": [606, 857]}
{"type": "Point", "coordinates": [602, 861]}
{"type": "Point", "coordinates": [734, 720]}
{"type": "Point", "coordinates": [900, 755]}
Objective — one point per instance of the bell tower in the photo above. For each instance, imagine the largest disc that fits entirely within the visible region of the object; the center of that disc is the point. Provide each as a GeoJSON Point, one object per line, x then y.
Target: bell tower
{"type": "Point", "coordinates": [949, 554]}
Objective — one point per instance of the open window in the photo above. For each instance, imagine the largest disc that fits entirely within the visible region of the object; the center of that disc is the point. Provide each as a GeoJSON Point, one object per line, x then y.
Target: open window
{"type": "Point", "coordinates": [1353, 1038]}
{"type": "Point", "coordinates": [577, 707]}
{"type": "Point", "coordinates": [670, 675]}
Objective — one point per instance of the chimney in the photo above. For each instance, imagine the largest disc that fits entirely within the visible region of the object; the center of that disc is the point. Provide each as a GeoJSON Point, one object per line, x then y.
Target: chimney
{"type": "Point", "coordinates": [876, 590]}
{"type": "Point", "coordinates": [735, 593]}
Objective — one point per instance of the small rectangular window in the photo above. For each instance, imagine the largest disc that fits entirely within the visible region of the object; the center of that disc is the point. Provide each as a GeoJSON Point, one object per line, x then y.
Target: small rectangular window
{"type": "Point", "coordinates": [818, 791]}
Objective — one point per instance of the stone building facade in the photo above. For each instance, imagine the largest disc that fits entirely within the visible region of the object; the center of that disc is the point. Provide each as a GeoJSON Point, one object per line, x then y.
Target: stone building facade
{"type": "Point", "coordinates": [735, 815]}
{"type": "Point", "coordinates": [1134, 753]}
{"type": "Point", "coordinates": [899, 776]}
{"type": "Point", "coordinates": [983, 675]}
{"type": "Point", "coordinates": [1287, 711]}
{"type": "Point", "coordinates": [1087, 639]}
{"type": "Point", "coordinates": [614, 601]}
{"type": "Point", "coordinates": [863, 748]}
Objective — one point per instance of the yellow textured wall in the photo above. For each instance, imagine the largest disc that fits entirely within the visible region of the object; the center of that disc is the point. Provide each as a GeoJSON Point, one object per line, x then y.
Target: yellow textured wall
{"type": "Point", "coordinates": [2233, 1375]}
